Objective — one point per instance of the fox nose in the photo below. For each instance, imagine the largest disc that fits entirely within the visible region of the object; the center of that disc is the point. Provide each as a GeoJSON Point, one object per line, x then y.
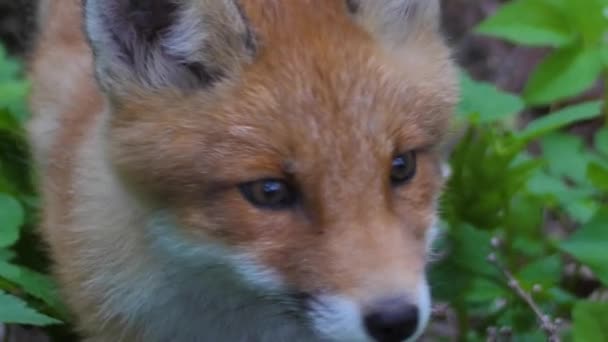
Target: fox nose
{"type": "Point", "coordinates": [392, 321]}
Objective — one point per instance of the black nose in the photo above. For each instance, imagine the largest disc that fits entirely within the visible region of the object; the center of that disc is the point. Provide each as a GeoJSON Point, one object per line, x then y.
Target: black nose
{"type": "Point", "coordinates": [392, 321]}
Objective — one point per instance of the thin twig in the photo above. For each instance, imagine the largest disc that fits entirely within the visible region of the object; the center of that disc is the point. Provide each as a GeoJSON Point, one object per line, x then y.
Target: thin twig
{"type": "Point", "coordinates": [548, 325]}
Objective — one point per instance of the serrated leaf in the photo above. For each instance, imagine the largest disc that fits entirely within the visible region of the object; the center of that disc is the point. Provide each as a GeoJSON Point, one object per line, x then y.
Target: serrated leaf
{"type": "Point", "coordinates": [560, 119]}
{"type": "Point", "coordinates": [485, 103]}
{"type": "Point", "coordinates": [589, 244]}
{"type": "Point", "coordinates": [526, 213]}
{"type": "Point", "coordinates": [454, 275]}
{"type": "Point", "coordinates": [529, 23]}
{"type": "Point", "coordinates": [565, 73]}
{"type": "Point", "coordinates": [471, 248]}
{"type": "Point", "coordinates": [11, 219]}
{"type": "Point", "coordinates": [33, 283]}
{"type": "Point", "coordinates": [590, 322]}
{"type": "Point", "coordinates": [15, 311]}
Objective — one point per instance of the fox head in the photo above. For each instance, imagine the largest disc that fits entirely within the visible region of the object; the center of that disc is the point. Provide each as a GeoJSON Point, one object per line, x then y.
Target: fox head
{"type": "Point", "coordinates": [302, 138]}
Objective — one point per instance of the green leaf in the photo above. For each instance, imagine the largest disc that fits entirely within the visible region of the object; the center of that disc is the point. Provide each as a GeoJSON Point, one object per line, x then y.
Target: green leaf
{"type": "Point", "coordinates": [471, 248]}
{"type": "Point", "coordinates": [601, 141]}
{"type": "Point", "coordinates": [467, 261]}
{"type": "Point", "coordinates": [6, 255]}
{"type": "Point", "coordinates": [589, 244]}
{"type": "Point", "coordinates": [604, 54]}
{"type": "Point", "coordinates": [576, 201]}
{"type": "Point", "coordinates": [542, 183]}
{"type": "Point", "coordinates": [15, 311]}
{"type": "Point", "coordinates": [529, 23]}
{"type": "Point", "coordinates": [581, 210]}
{"type": "Point", "coordinates": [560, 119]}
{"type": "Point", "coordinates": [9, 68]}
{"type": "Point", "coordinates": [485, 103]}
{"type": "Point", "coordinates": [561, 296]}
{"type": "Point", "coordinates": [525, 214]}
{"type": "Point", "coordinates": [545, 271]}
{"type": "Point", "coordinates": [485, 292]}
{"type": "Point", "coordinates": [13, 95]}
{"type": "Point", "coordinates": [565, 73]}
{"type": "Point", "coordinates": [588, 19]}
{"type": "Point", "coordinates": [566, 156]}
{"type": "Point", "coordinates": [8, 122]}
{"type": "Point", "coordinates": [590, 322]}
{"type": "Point", "coordinates": [11, 219]}
{"type": "Point", "coordinates": [34, 283]}
{"type": "Point", "coordinates": [598, 175]}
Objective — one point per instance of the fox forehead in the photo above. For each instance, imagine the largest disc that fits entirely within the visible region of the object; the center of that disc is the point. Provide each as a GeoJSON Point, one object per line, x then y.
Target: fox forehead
{"type": "Point", "coordinates": [319, 89]}
{"type": "Point", "coordinates": [286, 120]}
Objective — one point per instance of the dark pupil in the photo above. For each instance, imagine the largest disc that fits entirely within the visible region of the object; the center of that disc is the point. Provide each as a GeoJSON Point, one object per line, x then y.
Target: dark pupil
{"type": "Point", "coordinates": [403, 168]}
{"type": "Point", "coordinates": [269, 194]}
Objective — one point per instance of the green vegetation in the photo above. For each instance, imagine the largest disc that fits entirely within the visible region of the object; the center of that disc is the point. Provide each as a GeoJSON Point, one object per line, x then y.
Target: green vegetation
{"type": "Point", "coordinates": [26, 296]}
{"type": "Point", "coordinates": [525, 214]}
{"type": "Point", "coordinates": [516, 220]}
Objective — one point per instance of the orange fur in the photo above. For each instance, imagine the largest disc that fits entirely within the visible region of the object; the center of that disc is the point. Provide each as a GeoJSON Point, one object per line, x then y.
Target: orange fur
{"type": "Point", "coordinates": [324, 101]}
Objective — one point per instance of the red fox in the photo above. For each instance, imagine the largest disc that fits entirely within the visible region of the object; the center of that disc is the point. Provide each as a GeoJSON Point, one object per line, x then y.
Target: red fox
{"type": "Point", "coordinates": [241, 170]}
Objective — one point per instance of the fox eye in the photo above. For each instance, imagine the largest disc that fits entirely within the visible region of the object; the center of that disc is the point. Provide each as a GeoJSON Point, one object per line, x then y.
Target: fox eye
{"type": "Point", "coordinates": [403, 168]}
{"type": "Point", "coordinates": [269, 194]}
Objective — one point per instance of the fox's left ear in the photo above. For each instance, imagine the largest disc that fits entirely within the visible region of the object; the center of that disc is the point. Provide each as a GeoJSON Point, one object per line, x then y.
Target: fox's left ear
{"type": "Point", "coordinates": [395, 21]}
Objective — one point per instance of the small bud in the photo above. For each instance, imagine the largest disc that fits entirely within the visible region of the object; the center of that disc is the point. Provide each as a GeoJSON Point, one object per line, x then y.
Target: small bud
{"type": "Point", "coordinates": [570, 269]}
{"type": "Point", "coordinates": [559, 321]}
{"type": "Point", "coordinates": [537, 288]}
{"type": "Point", "coordinates": [492, 258]}
{"type": "Point", "coordinates": [500, 303]}
{"type": "Point", "coordinates": [496, 242]}
{"type": "Point", "coordinates": [513, 283]}
{"type": "Point", "coordinates": [505, 331]}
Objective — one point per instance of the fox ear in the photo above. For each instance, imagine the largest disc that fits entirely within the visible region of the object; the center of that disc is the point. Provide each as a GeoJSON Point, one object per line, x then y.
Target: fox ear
{"type": "Point", "coordinates": [394, 21]}
{"type": "Point", "coordinates": [160, 43]}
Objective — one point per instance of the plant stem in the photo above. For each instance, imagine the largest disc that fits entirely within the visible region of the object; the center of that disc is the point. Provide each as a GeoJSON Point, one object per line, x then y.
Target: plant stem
{"type": "Point", "coordinates": [546, 323]}
{"type": "Point", "coordinates": [463, 321]}
{"type": "Point", "coordinates": [606, 98]}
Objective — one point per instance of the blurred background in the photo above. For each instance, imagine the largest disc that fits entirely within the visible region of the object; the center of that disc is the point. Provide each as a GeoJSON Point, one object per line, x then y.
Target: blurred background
{"type": "Point", "coordinates": [524, 253]}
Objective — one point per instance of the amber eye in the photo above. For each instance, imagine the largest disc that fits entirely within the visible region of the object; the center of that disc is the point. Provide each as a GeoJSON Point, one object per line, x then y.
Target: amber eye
{"type": "Point", "coordinates": [269, 194]}
{"type": "Point", "coordinates": [403, 168]}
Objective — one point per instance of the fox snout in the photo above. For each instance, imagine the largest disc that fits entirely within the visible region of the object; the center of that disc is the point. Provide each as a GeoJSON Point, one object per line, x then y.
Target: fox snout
{"type": "Point", "coordinates": [395, 318]}
{"type": "Point", "coordinates": [381, 294]}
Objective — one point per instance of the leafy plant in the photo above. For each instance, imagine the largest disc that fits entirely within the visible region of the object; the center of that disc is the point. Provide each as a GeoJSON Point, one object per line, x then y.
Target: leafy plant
{"type": "Point", "coordinates": [26, 296]}
{"type": "Point", "coordinates": [547, 209]}
{"type": "Point", "coordinates": [575, 29]}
